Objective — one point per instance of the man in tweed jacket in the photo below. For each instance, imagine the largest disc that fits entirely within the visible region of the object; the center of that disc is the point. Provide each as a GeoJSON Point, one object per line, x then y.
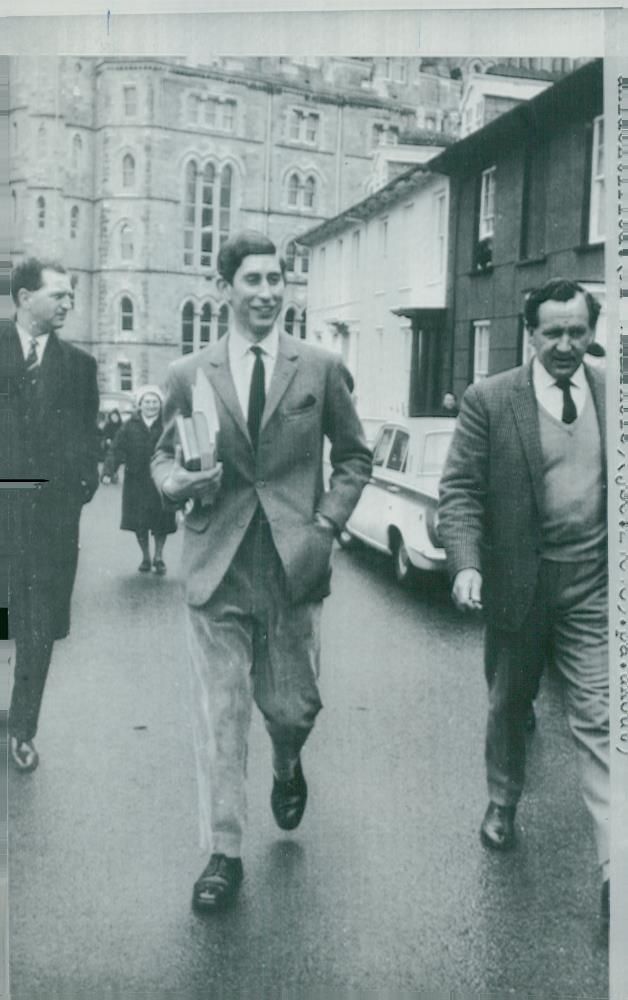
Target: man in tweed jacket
{"type": "Point", "coordinates": [523, 521]}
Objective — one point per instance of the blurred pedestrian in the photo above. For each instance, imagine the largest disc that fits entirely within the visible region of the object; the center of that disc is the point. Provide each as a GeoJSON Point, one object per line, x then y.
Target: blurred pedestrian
{"type": "Point", "coordinates": [449, 405]}
{"type": "Point", "coordinates": [112, 424]}
{"type": "Point", "coordinates": [49, 412]}
{"type": "Point", "coordinates": [142, 509]}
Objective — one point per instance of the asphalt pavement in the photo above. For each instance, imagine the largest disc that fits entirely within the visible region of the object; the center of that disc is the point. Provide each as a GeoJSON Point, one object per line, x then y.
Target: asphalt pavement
{"type": "Point", "coordinates": [383, 888]}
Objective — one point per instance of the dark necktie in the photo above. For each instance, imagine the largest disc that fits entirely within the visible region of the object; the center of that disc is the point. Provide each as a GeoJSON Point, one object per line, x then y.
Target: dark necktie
{"type": "Point", "coordinates": [569, 407]}
{"type": "Point", "coordinates": [32, 361]}
{"type": "Point", "coordinates": [257, 396]}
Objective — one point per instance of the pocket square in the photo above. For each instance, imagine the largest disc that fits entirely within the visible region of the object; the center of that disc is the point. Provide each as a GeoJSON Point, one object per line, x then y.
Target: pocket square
{"type": "Point", "coordinates": [303, 404]}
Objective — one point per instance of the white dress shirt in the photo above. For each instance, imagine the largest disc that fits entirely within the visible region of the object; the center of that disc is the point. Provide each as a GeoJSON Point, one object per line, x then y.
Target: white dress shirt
{"type": "Point", "coordinates": [550, 397]}
{"type": "Point", "coordinates": [242, 359]}
{"type": "Point", "coordinates": [25, 340]}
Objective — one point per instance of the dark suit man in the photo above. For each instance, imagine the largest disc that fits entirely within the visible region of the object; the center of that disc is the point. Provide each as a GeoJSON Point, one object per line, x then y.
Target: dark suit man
{"type": "Point", "coordinates": [523, 521]}
{"type": "Point", "coordinates": [257, 546]}
{"type": "Point", "coordinates": [49, 413]}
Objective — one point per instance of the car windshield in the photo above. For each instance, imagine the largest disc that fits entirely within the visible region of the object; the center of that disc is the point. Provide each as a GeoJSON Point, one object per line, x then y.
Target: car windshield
{"type": "Point", "coordinates": [435, 452]}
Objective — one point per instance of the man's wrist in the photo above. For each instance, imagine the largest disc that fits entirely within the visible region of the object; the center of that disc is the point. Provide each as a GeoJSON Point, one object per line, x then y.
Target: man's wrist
{"type": "Point", "coordinates": [325, 522]}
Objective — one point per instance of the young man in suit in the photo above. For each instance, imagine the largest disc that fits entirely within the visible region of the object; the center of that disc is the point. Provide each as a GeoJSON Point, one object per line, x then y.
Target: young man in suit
{"type": "Point", "coordinates": [49, 415]}
{"type": "Point", "coordinates": [257, 545]}
{"type": "Point", "coordinates": [523, 521]}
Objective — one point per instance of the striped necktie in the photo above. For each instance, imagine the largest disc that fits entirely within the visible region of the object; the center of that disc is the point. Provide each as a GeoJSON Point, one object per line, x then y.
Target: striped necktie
{"type": "Point", "coordinates": [32, 360]}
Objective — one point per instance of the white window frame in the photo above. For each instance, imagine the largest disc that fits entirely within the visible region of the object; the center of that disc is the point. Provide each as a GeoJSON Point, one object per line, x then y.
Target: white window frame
{"type": "Point", "coordinates": [74, 221]}
{"type": "Point", "coordinates": [597, 220]}
{"type": "Point", "coordinates": [487, 204]}
{"type": "Point", "coordinates": [125, 331]}
{"type": "Point", "coordinates": [299, 120]}
{"type": "Point", "coordinates": [481, 349]}
{"type": "Point", "coordinates": [127, 248]}
{"type": "Point", "coordinates": [439, 203]}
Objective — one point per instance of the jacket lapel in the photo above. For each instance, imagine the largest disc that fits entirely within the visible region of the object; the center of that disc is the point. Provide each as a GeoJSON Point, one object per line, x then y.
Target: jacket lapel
{"type": "Point", "coordinates": [285, 370]}
{"type": "Point", "coordinates": [217, 369]}
{"type": "Point", "coordinates": [597, 392]}
{"type": "Point", "coordinates": [524, 406]}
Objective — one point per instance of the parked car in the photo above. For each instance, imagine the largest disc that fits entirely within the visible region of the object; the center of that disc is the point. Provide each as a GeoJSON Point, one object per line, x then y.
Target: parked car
{"type": "Point", "coordinates": [397, 512]}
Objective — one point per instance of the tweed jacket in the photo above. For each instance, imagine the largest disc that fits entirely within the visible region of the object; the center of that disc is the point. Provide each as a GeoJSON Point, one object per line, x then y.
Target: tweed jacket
{"type": "Point", "coordinates": [309, 399]}
{"type": "Point", "coordinates": [491, 491]}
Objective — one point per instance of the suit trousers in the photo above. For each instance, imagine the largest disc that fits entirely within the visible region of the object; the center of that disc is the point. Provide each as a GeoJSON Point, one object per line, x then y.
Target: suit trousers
{"type": "Point", "coordinates": [568, 621]}
{"type": "Point", "coordinates": [248, 644]}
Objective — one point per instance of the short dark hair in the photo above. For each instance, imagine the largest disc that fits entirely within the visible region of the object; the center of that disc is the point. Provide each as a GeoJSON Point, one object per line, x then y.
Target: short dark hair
{"type": "Point", "coordinates": [242, 245]}
{"type": "Point", "coordinates": [27, 274]}
{"type": "Point", "coordinates": [558, 290]}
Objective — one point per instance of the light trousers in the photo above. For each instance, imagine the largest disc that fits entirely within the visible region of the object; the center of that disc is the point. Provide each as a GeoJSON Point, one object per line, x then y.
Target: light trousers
{"type": "Point", "coordinates": [248, 644]}
{"type": "Point", "coordinates": [568, 621]}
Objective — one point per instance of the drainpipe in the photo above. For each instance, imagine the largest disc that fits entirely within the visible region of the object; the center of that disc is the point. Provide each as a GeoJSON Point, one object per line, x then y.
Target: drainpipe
{"type": "Point", "coordinates": [339, 148]}
{"type": "Point", "coordinates": [268, 160]}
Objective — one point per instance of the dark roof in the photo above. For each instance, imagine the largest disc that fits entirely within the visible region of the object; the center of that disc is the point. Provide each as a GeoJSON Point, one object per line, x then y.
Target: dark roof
{"type": "Point", "coordinates": [577, 96]}
{"type": "Point", "coordinates": [522, 73]}
{"type": "Point", "coordinates": [396, 190]}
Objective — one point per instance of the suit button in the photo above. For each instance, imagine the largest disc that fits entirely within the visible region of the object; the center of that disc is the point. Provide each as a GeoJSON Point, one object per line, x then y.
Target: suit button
{"type": "Point", "coordinates": [260, 484]}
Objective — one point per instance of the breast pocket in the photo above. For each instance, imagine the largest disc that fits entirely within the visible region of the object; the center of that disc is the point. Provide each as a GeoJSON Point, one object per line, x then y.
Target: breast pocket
{"type": "Point", "coordinates": [300, 408]}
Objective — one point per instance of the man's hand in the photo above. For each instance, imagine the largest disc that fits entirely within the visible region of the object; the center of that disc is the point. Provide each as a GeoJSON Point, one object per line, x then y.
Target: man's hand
{"type": "Point", "coordinates": [324, 522]}
{"type": "Point", "coordinates": [467, 590]}
{"type": "Point", "coordinates": [182, 485]}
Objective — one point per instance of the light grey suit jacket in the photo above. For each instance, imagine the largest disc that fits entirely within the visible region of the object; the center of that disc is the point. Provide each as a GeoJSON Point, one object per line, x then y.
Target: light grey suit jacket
{"type": "Point", "coordinates": [491, 491]}
{"type": "Point", "coordinates": [309, 398]}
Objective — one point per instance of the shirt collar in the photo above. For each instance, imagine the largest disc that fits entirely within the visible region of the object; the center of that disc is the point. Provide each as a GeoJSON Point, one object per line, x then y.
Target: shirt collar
{"type": "Point", "coordinates": [541, 378]}
{"type": "Point", "coordinates": [26, 338]}
{"type": "Point", "coordinates": [239, 346]}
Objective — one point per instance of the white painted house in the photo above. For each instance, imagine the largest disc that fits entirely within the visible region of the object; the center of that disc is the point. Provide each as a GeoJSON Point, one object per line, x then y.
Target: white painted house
{"type": "Point", "coordinates": [376, 294]}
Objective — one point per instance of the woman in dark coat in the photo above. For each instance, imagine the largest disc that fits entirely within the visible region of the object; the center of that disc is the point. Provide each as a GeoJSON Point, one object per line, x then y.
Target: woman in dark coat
{"type": "Point", "coordinates": [142, 511]}
{"type": "Point", "coordinates": [111, 426]}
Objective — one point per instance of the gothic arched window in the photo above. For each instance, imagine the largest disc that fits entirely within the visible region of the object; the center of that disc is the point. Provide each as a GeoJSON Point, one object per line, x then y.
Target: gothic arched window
{"type": "Point", "coordinates": [126, 315]}
{"type": "Point", "coordinates": [206, 324]}
{"type": "Point", "coordinates": [223, 321]}
{"type": "Point", "coordinates": [207, 212]}
{"type": "Point", "coordinates": [128, 171]}
{"type": "Point", "coordinates": [187, 328]}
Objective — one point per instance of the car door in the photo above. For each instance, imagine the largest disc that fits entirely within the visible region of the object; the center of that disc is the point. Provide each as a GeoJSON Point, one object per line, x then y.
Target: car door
{"type": "Point", "coordinates": [370, 513]}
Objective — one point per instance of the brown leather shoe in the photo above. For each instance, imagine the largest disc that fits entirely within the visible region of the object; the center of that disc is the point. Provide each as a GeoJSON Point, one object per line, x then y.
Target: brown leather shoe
{"type": "Point", "coordinates": [498, 827]}
{"type": "Point", "coordinates": [288, 798]}
{"type": "Point", "coordinates": [23, 754]}
{"type": "Point", "coordinates": [218, 884]}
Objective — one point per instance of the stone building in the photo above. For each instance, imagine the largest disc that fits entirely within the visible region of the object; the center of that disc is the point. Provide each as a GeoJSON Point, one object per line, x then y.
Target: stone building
{"type": "Point", "coordinates": [133, 171]}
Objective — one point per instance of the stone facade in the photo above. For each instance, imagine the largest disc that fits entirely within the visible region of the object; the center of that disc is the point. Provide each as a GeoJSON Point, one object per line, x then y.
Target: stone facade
{"type": "Point", "coordinates": [133, 170]}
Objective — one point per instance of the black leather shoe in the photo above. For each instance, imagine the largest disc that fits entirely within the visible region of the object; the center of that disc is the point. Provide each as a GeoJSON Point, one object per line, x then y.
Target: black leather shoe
{"type": "Point", "coordinates": [498, 827]}
{"type": "Point", "coordinates": [216, 887]}
{"type": "Point", "coordinates": [288, 799]}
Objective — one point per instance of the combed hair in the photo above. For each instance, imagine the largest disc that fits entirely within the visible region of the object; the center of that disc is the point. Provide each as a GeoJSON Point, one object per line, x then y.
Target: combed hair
{"type": "Point", "coordinates": [242, 245]}
{"type": "Point", "coordinates": [27, 274]}
{"type": "Point", "coordinates": [558, 290]}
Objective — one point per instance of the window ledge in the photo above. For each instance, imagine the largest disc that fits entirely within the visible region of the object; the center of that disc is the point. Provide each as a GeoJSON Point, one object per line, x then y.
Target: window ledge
{"type": "Point", "coordinates": [531, 261]}
{"type": "Point", "coordinates": [481, 272]}
{"type": "Point", "coordinates": [588, 247]}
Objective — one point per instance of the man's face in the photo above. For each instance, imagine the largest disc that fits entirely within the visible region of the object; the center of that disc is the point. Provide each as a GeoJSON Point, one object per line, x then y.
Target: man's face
{"type": "Point", "coordinates": [449, 401]}
{"type": "Point", "coordinates": [562, 335]}
{"type": "Point", "coordinates": [256, 295]}
{"type": "Point", "coordinates": [45, 310]}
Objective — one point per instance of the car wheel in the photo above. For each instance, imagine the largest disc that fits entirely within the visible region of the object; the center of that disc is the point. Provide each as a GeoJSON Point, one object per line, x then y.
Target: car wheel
{"type": "Point", "coordinates": [402, 567]}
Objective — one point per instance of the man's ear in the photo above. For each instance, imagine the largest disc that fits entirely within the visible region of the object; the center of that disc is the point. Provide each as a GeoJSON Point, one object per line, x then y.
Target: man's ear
{"type": "Point", "coordinates": [224, 288]}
